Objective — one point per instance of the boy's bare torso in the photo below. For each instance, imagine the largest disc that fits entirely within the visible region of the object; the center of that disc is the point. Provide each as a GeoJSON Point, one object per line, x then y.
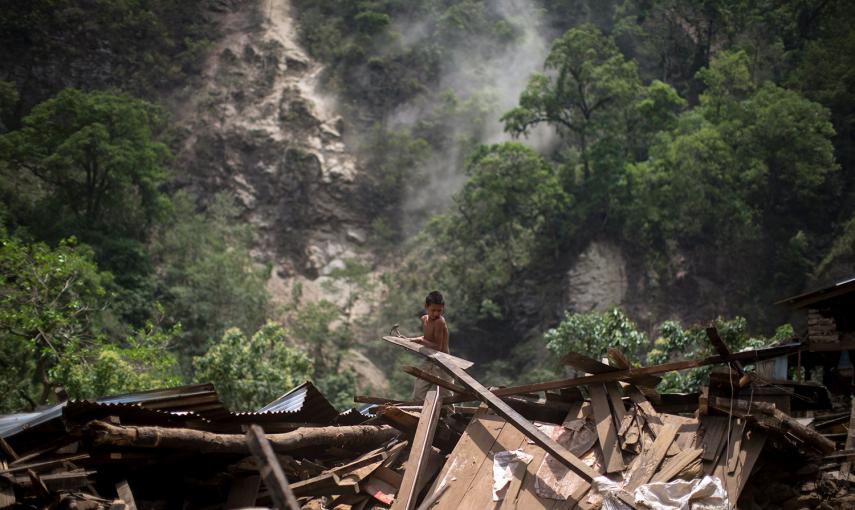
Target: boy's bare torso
{"type": "Point", "coordinates": [435, 332]}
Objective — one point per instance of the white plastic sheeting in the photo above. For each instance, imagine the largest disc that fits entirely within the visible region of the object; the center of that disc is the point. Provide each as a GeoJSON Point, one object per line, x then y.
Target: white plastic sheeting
{"type": "Point", "coordinates": [705, 493]}
{"type": "Point", "coordinates": [503, 464]}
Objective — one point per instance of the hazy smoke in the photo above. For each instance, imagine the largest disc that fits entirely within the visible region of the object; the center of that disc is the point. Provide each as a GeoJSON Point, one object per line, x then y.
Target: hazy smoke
{"type": "Point", "coordinates": [499, 79]}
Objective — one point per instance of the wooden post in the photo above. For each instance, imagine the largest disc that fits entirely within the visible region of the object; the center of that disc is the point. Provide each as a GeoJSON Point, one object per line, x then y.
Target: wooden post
{"type": "Point", "coordinates": [270, 470]}
{"type": "Point", "coordinates": [406, 498]}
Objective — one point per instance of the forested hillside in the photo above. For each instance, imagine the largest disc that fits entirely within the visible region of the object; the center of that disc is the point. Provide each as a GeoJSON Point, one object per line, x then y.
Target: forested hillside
{"type": "Point", "coordinates": [252, 191]}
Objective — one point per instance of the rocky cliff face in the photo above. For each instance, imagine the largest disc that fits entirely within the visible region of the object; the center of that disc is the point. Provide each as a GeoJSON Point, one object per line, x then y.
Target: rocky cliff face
{"type": "Point", "coordinates": [259, 127]}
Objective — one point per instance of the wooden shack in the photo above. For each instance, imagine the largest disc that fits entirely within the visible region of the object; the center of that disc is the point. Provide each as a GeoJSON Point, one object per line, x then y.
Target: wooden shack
{"type": "Point", "coordinates": [830, 316]}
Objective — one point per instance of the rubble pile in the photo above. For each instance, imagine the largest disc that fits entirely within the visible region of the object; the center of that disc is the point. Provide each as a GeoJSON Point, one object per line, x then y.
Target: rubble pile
{"type": "Point", "coordinates": [758, 435]}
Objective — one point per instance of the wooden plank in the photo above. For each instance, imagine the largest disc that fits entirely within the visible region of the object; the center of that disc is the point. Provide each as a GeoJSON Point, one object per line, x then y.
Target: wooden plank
{"type": "Point", "coordinates": [439, 381]}
{"type": "Point", "coordinates": [415, 466]}
{"type": "Point", "coordinates": [479, 495]}
{"type": "Point", "coordinates": [850, 440]}
{"type": "Point", "coordinates": [429, 353]}
{"type": "Point", "coordinates": [616, 400]}
{"type": "Point", "coordinates": [628, 375]}
{"type": "Point", "coordinates": [468, 456]}
{"type": "Point", "coordinates": [675, 464]}
{"type": "Point", "coordinates": [651, 417]}
{"type": "Point", "coordinates": [528, 498]}
{"type": "Point", "coordinates": [518, 471]}
{"type": "Point", "coordinates": [270, 470]}
{"type": "Point", "coordinates": [389, 476]}
{"type": "Point", "coordinates": [401, 420]}
{"type": "Point", "coordinates": [592, 366]}
{"type": "Point", "coordinates": [243, 492]}
{"type": "Point", "coordinates": [606, 431]}
{"type": "Point", "coordinates": [714, 431]}
{"type": "Point", "coordinates": [125, 494]}
{"type": "Point", "coordinates": [649, 461]}
{"type": "Point", "coordinates": [527, 428]}
{"type": "Point", "coordinates": [737, 444]}
{"type": "Point", "coordinates": [753, 446]}
{"type": "Point", "coordinates": [431, 498]}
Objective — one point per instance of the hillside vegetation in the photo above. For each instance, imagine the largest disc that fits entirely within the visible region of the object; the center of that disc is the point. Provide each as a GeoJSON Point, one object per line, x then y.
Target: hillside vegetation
{"type": "Point", "coordinates": [711, 141]}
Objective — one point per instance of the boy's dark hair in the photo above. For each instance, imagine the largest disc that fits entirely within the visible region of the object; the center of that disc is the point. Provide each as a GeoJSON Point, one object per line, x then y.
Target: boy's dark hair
{"type": "Point", "coordinates": [434, 298]}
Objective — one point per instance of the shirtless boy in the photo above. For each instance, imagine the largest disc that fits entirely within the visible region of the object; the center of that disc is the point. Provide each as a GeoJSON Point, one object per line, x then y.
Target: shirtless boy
{"type": "Point", "coordinates": [435, 336]}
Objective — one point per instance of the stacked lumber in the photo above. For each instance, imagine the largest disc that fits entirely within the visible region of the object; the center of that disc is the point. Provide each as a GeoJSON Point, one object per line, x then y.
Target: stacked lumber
{"type": "Point", "coordinates": [822, 328]}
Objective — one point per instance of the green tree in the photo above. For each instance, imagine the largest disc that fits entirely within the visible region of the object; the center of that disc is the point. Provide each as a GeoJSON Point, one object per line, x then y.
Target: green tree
{"type": "Point", "coordinates": [509, 213]}
{"type": "Point", "coordinates": [142, 361]}
{"type": "Point", "coordinates": [742, 177]}
{"type": "Point", "coordinates": [207, 278]}
{"type": "Point", "coordinates": [251, 372]}
{"type": "Point", "coordinates": [98, 164]}
{"type": "Point", "coordinates": [589, 92]}
{"type": "Point", "coordinates": [593, 333]}
{"type": "Point", "coordinates": [52, 311]}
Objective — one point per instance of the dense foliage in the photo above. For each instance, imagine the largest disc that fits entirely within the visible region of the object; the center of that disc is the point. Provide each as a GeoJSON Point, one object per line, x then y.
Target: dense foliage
{"type": "Point", "coordinates": [593, 334]}
{"type": "Point", "coordinates": [713, 141]}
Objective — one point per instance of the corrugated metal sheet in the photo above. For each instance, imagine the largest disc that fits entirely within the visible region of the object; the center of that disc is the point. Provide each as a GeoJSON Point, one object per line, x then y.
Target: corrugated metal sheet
{"type": "Point", "coordinates": [303, 403]}
{"type": "Point", "coordinates": [199, 400]}
{"type": "Point", "coordinates": [197, 403]}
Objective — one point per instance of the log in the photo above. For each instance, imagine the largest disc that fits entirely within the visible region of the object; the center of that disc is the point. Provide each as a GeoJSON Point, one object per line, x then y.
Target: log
{"type": "Point", "coordinates": [775, 419]}
{"type": "Point", "coordinates": [354, 437]}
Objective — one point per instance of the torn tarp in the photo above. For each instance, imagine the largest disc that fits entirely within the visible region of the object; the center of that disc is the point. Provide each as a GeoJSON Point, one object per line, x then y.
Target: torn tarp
{"type": "Point", "coordinates": [503, 469]}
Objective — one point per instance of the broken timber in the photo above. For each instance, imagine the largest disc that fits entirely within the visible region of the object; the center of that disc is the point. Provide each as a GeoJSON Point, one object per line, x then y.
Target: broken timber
{"type": "Point", "coordinates": [428, 352]}
{"type": "Point", "coordinates": [628, 375]}
{"type": "Point", "coordinates": [270, 470]}
{"type": "Point", "coordinates": [415, 467]}
{"type": "Point", "coordinates": [501, 408]}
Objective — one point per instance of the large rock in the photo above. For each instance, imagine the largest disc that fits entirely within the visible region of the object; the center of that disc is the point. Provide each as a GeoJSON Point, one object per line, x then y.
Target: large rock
{"type": "Point", "coordinates": [598, 279]}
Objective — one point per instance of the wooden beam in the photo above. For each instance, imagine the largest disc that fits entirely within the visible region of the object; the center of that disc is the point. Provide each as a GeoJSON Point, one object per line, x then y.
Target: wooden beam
{"type": "Point", "coordinates": [592, 366]}
{"type": "Point", "coordinates": [439, 381]}
{"type": "Point", "coordinates": [421, 447]}
{"type": "Point", "coordinates": [270, 470]}
{"type": "Point", "coordinates": [722, 348]}
{"type": "Point", "coordinates": [628, 375]}
{"type": "Point", "coordinates": [366, 399]}
{"type": "Point", "coordinates": [528, 429]}
{"type": "Point", "coordinates": [429, 353]}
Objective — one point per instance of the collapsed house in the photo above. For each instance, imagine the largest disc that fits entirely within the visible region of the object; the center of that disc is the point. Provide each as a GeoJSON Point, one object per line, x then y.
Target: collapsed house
{"type": "Point", "coordinates": [755, 437]}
